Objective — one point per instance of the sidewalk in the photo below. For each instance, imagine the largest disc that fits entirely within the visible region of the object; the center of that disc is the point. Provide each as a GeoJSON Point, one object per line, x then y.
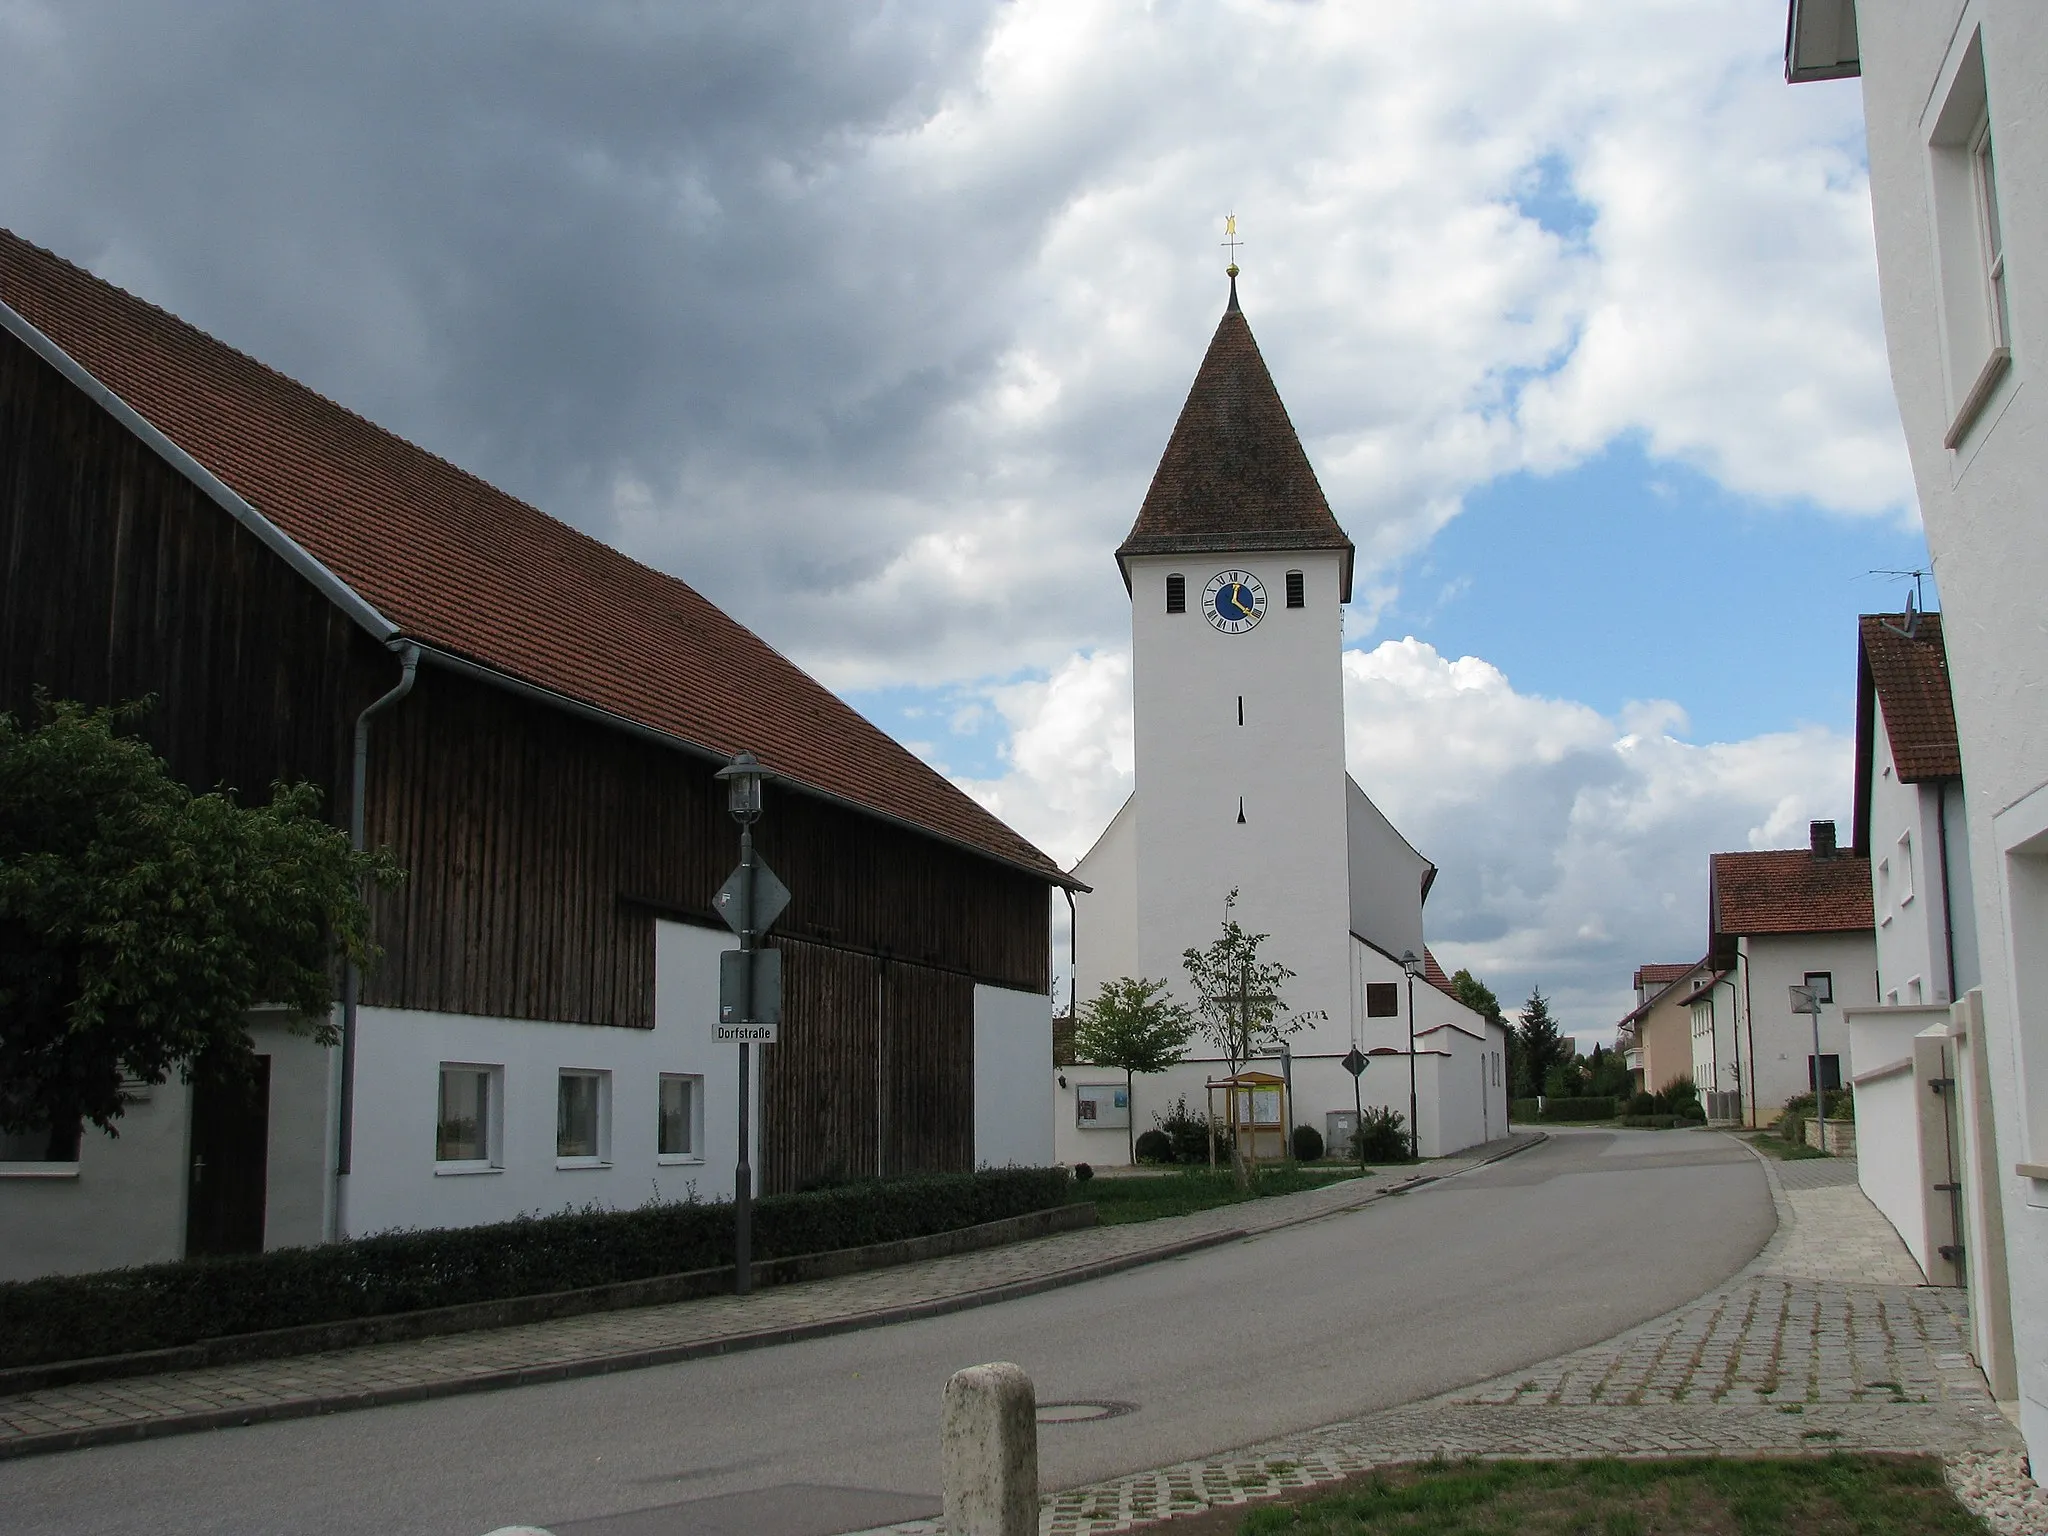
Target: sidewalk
{"type": "Point", "coordinates": [1828, 1340]}
{"type": "Point", "coordinates": [102, 1412]}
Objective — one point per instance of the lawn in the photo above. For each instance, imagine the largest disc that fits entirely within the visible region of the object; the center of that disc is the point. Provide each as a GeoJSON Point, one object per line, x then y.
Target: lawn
{"type": "Point", "coordinates": [1877, 1495]}
{"type": "Point", "coordinates": [1177, 1192]}
{"type": "Point", "coordinates": [1771, 1144]}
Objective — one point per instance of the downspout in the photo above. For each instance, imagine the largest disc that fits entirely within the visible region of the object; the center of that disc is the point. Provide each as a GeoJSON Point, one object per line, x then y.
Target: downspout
{"type": "Point", "coordinates": [1073, 953]}
{"type": "Point", "coordinates": [1735, 1039]}
{"type": "Point", "coordinates": [1948, 911]}
{"type": "Point", "coordinates": [1749, 1022]}
{"type": "Point", "coordinates": [351, 976]}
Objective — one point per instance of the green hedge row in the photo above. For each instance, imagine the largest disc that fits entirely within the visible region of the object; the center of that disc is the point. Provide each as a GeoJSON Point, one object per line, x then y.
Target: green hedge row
{"type": "Point", "coordinates": [1523, 1109]}
{"type": "Point", "coordinates": [1656, 1122]}
{"type": "Point", "coordinates": [1578, 1109]}
{"type": "Point", "coordinates": [71, 1317]}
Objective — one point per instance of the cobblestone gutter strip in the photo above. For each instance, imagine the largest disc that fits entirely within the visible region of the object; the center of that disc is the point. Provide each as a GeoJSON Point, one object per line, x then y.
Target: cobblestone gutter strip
{"type": "Point", "coordinates": [313, 1404]}
{"type": "Point", "coordinates": [349, 1333]}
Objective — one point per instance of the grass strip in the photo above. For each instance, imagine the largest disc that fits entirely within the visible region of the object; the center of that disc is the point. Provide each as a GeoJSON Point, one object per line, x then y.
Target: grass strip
{"type": "Point", "coordinates": [1786, 1496]}
{"type": "Point", "coordinates": [1184, 1191]}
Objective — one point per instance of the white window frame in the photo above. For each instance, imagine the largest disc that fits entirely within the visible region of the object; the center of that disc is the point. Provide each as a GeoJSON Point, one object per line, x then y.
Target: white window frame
{"type": "Point", "coordinates": [43, 1167]}
{"type": "Point", "coordinates": [693, 1085]}
{"type": "Point", "coordinates": [1969, 270]}
{"type": "Point", "coordinates": [602, 1131]}
{"type": "Point", "coordinates": [493, 1160]}
{"type": "Point", "coordinates": [1905, 871]}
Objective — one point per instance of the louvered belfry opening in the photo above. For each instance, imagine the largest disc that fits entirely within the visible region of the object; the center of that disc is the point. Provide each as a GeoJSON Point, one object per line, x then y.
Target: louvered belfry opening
{"type": "Point", "coordinates": [1176, 593]}
{"type": "Point", "coordinates": [1296, 594]}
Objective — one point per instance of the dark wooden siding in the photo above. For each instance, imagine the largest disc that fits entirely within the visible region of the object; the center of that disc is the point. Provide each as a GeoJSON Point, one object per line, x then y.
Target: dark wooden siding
{"type": "Point", "coordinates": [874, 1072]}
{"type": "Point", "coordinates": [121, 579]}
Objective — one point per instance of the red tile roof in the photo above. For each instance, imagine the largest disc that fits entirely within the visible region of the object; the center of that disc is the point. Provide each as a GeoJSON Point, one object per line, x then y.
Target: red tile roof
{"type": "Point", "coordinates": [1434, 974]}
{"type": "Point", "coordinates": [1787, 890]}
{"type": "Point", "coordinates": [462, 567]}
{"type": "Point", "coordinates": [1911, 678]}
{"type": "Point", "coordinates": [1234, 475]}
{"type": "Point", "coordinates": [1662, 975]}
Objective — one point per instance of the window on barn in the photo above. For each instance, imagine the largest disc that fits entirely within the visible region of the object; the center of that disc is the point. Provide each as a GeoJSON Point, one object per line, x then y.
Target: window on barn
{"type": "Point", "coordinates": [582, 1110]}
{"type": "Point", "coordinates": [466, 1131]}
{"type": "Point", "coordinates": [1296, 597]}
{"type": "Point", "coordinates": [1382, 1000]}
{"type": "Point", "coordinates": [682, 1101]}
{"type": "Point", "coordinates": [1176, 593]}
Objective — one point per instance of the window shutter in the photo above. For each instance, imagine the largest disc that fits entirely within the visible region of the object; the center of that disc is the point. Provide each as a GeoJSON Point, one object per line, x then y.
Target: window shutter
{"type": "Point", "coordinates": [1176, 594]}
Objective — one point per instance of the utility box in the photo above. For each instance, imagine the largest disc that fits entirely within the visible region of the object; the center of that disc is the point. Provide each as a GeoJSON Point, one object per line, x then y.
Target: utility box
{"type": "Point", "coordinates": [1340, 1125]}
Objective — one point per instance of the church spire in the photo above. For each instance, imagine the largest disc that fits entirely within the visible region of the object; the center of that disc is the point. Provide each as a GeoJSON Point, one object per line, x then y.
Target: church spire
{"type": "Point", "coordinates": [1234, 477]}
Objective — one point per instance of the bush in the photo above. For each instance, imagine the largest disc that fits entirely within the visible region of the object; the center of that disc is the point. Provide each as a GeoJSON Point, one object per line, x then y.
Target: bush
{"type": "Point", "coordinates": [1641, 1103]}
{"type": "Point", "coordinates": [1155, 1147]}
{"type": "Point", "coordinates": [1189, 1133]}
{"type": "Point", "coordinates": [1649, 1122]}
{"type": "Point", "coordinates": [69, 1317]}
{"type": "Point", "coordinates": [1308, 1144]}
{"type": "Point", "coordinates": [1083, 1172]}
{"type": "Point", "coordinates": [1578, 1109]}
{"type": "Point", "coordinates": [1381, 1137]}
{"type": "Point", "coordinates": [1680, 1096]}
{"type": "Point", "coordinates": [1523, 1109]}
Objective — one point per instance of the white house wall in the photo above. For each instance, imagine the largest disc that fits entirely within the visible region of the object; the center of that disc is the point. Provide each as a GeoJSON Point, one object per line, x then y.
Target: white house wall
{"type": "Point", "coordinates": [1106, 914]}
{"type": "Point", "coordinates": [1775, 1041]}
{"type": "Point", "coordinates": [1386, 875]}
{"type": "Point", "coordinates": [395, 1183]}
{"type": "Point", "coordinates": [1906, 880]}
{"type": "Point", "coordinates": [1012, 1093]}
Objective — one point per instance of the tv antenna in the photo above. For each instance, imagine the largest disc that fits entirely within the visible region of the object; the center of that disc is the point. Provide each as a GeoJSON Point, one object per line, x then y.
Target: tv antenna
{"type": "Point", "coordinates": [1916, 601]}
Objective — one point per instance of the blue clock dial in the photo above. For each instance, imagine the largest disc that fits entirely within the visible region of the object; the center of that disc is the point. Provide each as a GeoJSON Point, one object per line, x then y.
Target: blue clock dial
{"type": "Point", "coordinates": [1233, 602]}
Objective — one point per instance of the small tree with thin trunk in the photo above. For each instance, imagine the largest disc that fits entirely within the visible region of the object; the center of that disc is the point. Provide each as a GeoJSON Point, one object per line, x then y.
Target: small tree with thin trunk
{"type": "Point", "coordinates": [1134, 1025]}
{"type": "Point", "coordinates": [140, 922]}
{"type": "Point", "coordinates": [1542, 1042]}
{"type": "Point", "coordinates": [1239, 1003]}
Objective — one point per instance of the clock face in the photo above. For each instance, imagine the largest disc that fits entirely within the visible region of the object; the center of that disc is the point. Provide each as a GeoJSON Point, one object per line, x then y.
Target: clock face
{"type": "Point", "coordinates": [1234, 602]}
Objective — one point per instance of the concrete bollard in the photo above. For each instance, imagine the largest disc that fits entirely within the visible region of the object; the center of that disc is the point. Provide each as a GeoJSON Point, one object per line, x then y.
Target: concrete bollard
{"type": "Point", "coordinates": [989, 1444]}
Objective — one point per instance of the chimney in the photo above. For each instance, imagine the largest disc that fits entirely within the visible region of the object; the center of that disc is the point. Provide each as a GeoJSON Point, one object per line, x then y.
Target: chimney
{"type": "Point", "coordinates": [1821, 835]}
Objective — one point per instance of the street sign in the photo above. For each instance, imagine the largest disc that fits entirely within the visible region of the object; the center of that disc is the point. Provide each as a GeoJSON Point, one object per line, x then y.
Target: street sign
{"type": "Point", "coordinates": [770, 897]}
{"type": "Point", "coordinates": [749, 996]}
{"type": "Point", "coordinates": [1355, 1062]}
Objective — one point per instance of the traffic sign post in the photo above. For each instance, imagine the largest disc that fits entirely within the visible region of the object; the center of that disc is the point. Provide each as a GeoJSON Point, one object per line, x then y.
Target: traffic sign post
{"type": "Point", "coordinates": [1355, 1062]}
{"type": "Point", "coordinates": [749, 986]}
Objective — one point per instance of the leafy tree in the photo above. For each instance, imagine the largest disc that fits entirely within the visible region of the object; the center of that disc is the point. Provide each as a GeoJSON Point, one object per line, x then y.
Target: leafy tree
{"type": "Point", "coordinates": [1478, 996]}
{"type": "Point", "coordinates": [1239, 1002]}
{"type": "Point", "coordinates": [1132, 1024]}
{"type": "Point", "coordinates": [139, 922]}
{"type": "Point", "coordinates": [1541, 1041]}
{"type": "Point", "coordinates": [1608, 1075]}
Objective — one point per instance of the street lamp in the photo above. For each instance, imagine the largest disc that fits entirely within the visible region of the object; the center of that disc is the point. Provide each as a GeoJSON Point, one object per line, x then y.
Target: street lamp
{"type": "Point", "coordinates": [1807, 1000]}
{"type": "Point", "coordinates": [743, 776]}
{"type": "Point", "coordinates": [1413, 966]}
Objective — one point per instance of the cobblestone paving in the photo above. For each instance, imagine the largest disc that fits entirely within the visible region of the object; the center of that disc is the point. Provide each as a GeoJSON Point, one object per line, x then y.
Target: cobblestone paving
{"type": "Point", "coordinates": [364, 1376]}
{"type": "Point", "coordinates": [1828, 1340]}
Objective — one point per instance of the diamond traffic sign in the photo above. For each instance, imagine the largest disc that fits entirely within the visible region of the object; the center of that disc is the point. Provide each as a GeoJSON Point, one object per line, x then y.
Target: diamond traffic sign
{"type": "Point", "coordinates": [1355, 1062]}
{"type": "Point", "coordinates": [771, 896]}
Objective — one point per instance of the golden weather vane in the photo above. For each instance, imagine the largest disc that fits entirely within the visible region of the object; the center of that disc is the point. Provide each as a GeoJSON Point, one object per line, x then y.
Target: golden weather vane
{"type": "Point", "coordinates": [1231, 242]}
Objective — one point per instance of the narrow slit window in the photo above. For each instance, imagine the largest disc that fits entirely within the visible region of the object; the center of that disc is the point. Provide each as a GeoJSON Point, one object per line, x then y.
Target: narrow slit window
{"type": "Point", "coordinates": [1176, 594]}
{"type": "Point", "coordinates": [1240, 709]}
{"type": "Point", "coordinates": [1986, 178]}
{"type": "Point", "coordinates": [1296, 595]}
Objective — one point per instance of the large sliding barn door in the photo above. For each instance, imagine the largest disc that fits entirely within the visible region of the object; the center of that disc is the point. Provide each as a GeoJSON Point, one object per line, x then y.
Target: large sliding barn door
{"type": "Point", "coordinates": [874, 1071]}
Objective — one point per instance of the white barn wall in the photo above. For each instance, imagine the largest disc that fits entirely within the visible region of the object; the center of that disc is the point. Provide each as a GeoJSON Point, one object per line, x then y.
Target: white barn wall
{"type": "Point", "coordinates": [395, 1184]}
{"type": "Point", "coordinates": [1012, 1092]}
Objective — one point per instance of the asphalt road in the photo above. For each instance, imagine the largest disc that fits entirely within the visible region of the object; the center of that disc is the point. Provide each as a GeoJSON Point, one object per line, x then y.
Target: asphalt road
{"type": "Point", "coordinates": [1482, 1274]}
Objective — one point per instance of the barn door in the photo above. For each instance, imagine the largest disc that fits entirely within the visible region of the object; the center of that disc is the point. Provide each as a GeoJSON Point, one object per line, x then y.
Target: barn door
{"type": "Point", "coordinates": [228, 1175]}
{"type": "Point", "coordinates": [927, 1070]}
{"type": "Point", "coordinates": [818, 1080]}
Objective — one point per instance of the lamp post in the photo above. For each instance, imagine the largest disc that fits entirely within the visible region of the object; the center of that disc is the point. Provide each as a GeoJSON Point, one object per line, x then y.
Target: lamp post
{"type": "Point", "coordinates": [1807, 1000]}
{"type": "Point", "coordinates": [1413, 966]}
{"type": "Point", "coordinates": [743, 777]}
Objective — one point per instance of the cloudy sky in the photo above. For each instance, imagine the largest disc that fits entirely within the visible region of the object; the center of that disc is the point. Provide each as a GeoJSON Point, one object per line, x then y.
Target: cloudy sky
{"type": "Point", "coordinates": [870, 321]}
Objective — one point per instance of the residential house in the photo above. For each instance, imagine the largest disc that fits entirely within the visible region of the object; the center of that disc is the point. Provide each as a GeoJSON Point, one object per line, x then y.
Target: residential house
{"type": "Point", "coordinates": [543, 718]}
{"type": "Point", "coordinates": [1955, 107]}
{"type": "Point", "coordinates": [1708, 1002]}
{"type": "Point", "coordinates": [1655, 1035]}
{"type": "Point", "coordinates": [1781, 918]}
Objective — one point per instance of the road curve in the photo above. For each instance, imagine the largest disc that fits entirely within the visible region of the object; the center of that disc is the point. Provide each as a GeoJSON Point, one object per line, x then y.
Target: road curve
{"type": "Point", "coordinates": [1576, 1240]}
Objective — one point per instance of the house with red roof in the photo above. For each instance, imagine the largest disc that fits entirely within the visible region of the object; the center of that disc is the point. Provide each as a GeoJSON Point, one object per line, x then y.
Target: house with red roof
{"type": "Point", "coordinates": [1780, 918]}
{"type": "Point", "coordinates": [531, 722]}
{"type": "Point", "coordinates": [1655, 1036]}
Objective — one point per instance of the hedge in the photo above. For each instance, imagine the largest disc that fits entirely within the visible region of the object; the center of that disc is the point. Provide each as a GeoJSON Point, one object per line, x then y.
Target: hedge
{"type": "Point", "coordinates": [1523, 1109]}
{"type": "Point", "coordinates": [71, 1317]}
{"type": "Point", "coordinates": [1578, 1109]}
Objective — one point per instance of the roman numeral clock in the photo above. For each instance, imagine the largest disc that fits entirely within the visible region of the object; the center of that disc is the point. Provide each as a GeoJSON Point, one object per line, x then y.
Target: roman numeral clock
{"type": "Point", "coordinates": [1233, 602]}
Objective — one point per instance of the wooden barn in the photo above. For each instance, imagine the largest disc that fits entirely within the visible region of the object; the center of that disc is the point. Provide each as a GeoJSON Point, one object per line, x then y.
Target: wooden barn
{"type": "Point", "coordinates": [178, 520]}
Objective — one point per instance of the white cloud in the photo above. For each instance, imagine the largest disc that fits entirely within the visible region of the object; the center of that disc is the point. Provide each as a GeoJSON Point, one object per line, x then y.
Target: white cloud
{"type": "Point", "coordinates": [1572, 846]}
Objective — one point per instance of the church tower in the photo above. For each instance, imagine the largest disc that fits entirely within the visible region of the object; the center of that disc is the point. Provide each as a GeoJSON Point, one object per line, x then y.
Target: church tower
{"type": "Point", "coordinates": [1238, 574]}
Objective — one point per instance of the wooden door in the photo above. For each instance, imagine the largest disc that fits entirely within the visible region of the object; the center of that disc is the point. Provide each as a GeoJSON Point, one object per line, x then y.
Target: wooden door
{"type": "Point", "coordinates": [227, 1179]}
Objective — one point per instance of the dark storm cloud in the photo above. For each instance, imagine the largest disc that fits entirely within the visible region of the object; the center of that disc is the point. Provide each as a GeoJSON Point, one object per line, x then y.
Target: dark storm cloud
{"type": "Point", "coordinates": [566, 246]}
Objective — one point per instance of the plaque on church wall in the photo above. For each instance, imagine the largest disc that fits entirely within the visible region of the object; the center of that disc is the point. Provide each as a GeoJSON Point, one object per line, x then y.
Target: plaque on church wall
{"type": "Point", "coordinates": [1102, 1107]}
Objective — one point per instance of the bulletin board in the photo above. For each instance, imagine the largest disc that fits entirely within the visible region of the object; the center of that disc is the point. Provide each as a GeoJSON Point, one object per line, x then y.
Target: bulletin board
{"type": "Point", "coordinates": [1102, 1107]}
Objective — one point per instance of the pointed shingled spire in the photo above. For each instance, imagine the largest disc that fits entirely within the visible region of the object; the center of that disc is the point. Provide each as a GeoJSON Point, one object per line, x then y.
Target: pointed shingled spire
{"type": "Point", "coordinates": [1234, 477]}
